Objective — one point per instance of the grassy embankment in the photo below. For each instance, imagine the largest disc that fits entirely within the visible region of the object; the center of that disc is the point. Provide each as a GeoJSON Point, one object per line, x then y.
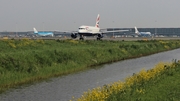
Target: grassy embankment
{"type": "Point", "coordinates": [161, 83]}
{"type": "Point", "coordinates": [25, 61]}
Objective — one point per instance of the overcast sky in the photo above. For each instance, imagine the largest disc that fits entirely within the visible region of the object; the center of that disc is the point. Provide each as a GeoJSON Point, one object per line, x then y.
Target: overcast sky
{"type": "Point", "coordinates": [68, 15]}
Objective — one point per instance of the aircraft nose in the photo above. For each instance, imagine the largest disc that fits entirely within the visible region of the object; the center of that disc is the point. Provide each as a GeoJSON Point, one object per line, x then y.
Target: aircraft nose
{"type": "Point", "coordinates": [81, 31]}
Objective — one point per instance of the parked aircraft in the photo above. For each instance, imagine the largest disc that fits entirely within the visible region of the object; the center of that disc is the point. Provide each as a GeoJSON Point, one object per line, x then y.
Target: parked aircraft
{"type": "Point", "coordinates": [142, 34]}
{"type": "Point", "coordinates": [43, 33]}
{"type": "Point", "coordinates": [92, 31]}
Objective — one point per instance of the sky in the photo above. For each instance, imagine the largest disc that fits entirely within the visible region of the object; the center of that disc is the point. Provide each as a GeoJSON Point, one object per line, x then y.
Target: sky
{"type": "Point", "coordinates": [68, 15]}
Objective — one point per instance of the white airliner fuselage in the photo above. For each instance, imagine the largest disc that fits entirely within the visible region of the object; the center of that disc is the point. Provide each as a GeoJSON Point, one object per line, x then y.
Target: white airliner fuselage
{"type": "Point", "coordinates": [88, 30]}
{"type": "Point", "coordinates": [92, 31]}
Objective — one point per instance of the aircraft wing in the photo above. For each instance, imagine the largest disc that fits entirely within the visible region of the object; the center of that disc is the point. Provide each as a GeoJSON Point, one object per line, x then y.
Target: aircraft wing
{"type": "Point", "coordinates": [114, 31]}
{"type": "Point", "coordinates": [68, 31]}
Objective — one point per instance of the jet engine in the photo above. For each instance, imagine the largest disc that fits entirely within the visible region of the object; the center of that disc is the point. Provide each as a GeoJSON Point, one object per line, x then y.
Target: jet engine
{"type": "Point", "coordinates": [100, 35]}
{"type": "Point", "coordinates": [74, 35]}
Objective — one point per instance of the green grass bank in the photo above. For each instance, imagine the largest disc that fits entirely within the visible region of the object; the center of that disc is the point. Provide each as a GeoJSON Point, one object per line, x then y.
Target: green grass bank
{"type": "Point", "coordinates": [25, 61]}
{"type": "Point", "coordinates": [160, 83]}
{"type": "Point", "coordinates": [165, 86]}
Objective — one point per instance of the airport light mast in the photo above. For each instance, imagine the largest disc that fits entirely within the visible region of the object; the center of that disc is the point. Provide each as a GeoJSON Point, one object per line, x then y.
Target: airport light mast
{"type": "Point", "coordinates": [16, 29]}
{"type": "Point", "coordinates": [113, 29]}
{"type": "Point", "coordinates": [155, 32]}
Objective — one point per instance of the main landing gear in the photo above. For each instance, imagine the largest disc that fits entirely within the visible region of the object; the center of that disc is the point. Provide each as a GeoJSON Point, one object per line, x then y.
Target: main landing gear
{"type": "Point", "coordinates": [81, 37]}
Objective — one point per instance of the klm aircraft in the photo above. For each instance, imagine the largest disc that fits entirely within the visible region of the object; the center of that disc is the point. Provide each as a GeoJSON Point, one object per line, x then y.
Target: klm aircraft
{"type": "Point", "coordinates": [43, 33]}
{"type": "Point", "coordinates": [142, 34]}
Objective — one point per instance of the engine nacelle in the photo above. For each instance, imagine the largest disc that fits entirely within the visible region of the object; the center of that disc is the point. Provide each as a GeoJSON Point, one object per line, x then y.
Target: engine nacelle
{"type": "Point", "coordinates": [74, 35]}
{"type": "Point", "coordinates": [100, 35]}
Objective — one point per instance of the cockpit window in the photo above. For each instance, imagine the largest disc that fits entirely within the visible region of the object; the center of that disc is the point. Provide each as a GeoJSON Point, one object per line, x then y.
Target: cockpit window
{"type": "Point", "coordinates": [81, 28]}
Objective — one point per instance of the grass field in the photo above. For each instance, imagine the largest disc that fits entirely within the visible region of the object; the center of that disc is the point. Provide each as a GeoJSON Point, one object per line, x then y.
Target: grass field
{"type": "Point", "coordinates": [26, 61]}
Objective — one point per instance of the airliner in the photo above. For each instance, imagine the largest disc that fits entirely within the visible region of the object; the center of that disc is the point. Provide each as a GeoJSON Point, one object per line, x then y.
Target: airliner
{"type": "Point", "coordinates": [142, 34]}
{"type": "Point", "coordinates": [92, 31]}
{"type": "Point", "coordinates": [43, 33]}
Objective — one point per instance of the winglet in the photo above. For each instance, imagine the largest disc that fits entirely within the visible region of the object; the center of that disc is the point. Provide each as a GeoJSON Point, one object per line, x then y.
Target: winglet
{"type": "Point", "coordinates": [97, 21]}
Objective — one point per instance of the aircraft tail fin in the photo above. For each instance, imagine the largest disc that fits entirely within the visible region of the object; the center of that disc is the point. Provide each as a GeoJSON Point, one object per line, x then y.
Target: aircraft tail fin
{"type": "Point", "coordinates": [97, 21]}
{"type": "Point", "coordinates": [136, 30]}
{"type": "Point", "coordinates": [35, 31]}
